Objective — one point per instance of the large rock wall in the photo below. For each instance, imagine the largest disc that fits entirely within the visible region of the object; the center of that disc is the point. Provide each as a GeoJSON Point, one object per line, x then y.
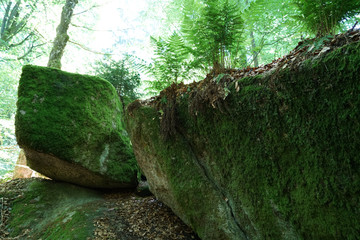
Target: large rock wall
{"type": "Point", "coordinates": [70, 127]}
{"type": "Point", "coordinates": [278, 158]}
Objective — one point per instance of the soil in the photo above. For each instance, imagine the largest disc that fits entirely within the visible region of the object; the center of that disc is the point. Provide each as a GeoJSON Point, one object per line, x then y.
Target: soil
{"type": "Point", "coordinates": [126, 216]}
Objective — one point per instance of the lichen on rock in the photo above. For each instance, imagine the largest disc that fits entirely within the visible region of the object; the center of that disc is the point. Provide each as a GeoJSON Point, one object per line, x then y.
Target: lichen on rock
{"type": "Point", "coordinates": [71, 129]}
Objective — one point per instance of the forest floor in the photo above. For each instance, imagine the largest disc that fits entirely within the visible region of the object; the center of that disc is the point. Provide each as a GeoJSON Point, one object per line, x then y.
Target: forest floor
{"type": "Point", "coordinates": [139, 218]}
{"type": "Point", "coordinates": [124, 216]}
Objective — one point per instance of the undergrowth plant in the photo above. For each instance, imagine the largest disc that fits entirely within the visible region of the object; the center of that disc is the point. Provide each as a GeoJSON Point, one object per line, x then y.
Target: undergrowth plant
{"type": "Point", "coordinates": [322, 17]}
{"type": "Point", "coordinates": [125, 80]}
{"type": "Point", "coordinates": [214, 32]}
{"type": "Point", "coordinates": [173, 62]}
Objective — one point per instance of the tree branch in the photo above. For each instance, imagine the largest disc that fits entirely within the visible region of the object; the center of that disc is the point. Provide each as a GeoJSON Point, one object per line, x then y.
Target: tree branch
{"type": "Point", "coordinates": [94, 6]}
{"type": "Point", "coordinates": [88, 49]}
{"type": "Point", "coordinates": [20, 43]}
{"type": "Point", "coordinates": [93, 30]}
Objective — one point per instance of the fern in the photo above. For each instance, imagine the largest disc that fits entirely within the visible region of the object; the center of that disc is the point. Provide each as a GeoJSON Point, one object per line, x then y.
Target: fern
{"type": "Point", "coordinates": [173, 63]}
{"type": "Point", "coordinates": [322, 17]}
{"type": "Point", "coordinates": [213, 31]}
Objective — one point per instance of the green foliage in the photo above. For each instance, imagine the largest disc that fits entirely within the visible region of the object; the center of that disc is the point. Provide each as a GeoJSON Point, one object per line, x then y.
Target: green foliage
{"type": "Point", "coordinates": [17, 38]}
{"type": "Point", "coordinates": [8, 96]}
{"type": "Point", "coordinates": [170, 57]}
{"type": "Point", "coordinates": [270, 30]}
{"type": "Point", "coordinates": [214, 31]}
{"type": "Point", "coordinates": [125, 80]}
{"type": "Point", "coordinates": [171, 64]}
{"type": "Point", "coordinates": [9, 74]}
{"type": "Point", "coordinates": [210, 35]}
{"type": "Point", "coordinates": [11, 25]}
{"type": "Point", "coordinates": [322, 17]}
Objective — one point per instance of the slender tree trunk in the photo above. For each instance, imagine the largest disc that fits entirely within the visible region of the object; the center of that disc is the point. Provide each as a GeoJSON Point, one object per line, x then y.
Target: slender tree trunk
{"type": "Point", "coordinates": [253, 47]}
{"type": "Point", "coordinates": [61, 34]}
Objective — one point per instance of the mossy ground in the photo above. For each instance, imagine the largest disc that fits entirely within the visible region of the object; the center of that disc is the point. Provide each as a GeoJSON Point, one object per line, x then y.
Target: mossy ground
{"type": "Point", "coordinates": [50, 210]}
{"type": "Point", "coordinates": [76, 118]}
{"type": "Point", "coordinates": [45, 209]}
{"type": "Point", "coordinates": [286, 155]}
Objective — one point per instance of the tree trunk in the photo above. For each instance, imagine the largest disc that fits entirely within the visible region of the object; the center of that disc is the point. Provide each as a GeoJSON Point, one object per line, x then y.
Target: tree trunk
{"type": "Point", "coordinates": [61, 34]}
{"type": "Point", "coordinates": [254, 52]}
{"type": "Point", "coordinates": [253, 45]}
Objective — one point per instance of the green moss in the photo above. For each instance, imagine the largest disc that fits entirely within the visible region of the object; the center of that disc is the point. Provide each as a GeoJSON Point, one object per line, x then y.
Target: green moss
{"type": "Point", "coordinates": [76, 118]}
{"type": "Point", "coordinates": [197, 202]}
{"type": "Point", "coordinates": [53, 210]}
{"type": "Point", "coordinates": [286, 156]}
{"type": "Point", "coordinates": [71, 225]}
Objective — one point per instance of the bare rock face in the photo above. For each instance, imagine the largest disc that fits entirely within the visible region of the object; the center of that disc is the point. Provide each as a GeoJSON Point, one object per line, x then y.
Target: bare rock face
{"type": "Point", "coordinates": [70, 128]}
{"type": "Point", "coordinates": [272, 156]}
{"type": "Point", "coordinates": [22, 170]}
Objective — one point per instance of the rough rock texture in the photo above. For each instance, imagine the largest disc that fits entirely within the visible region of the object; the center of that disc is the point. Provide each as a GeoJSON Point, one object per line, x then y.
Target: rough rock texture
{"type": "Point", "coordinates": [273, 156]}
{"type": "Point", "coordinates": [70, 128]}
{"type": "Point", "coordinates": [22, 170]}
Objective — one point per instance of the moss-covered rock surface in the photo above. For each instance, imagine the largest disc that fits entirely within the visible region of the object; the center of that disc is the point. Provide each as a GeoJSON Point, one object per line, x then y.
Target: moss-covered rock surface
{"type": "Point", "coordinates": [70, 127]}
{"type": "Point", "coordinates": [274, 156]}
{"type": "Point", "coordinates": [46, 209]}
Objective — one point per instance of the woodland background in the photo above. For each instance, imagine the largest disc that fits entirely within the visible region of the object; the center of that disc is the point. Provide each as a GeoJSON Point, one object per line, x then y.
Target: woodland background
{"type": "Point", "coordinates": [144, 46]}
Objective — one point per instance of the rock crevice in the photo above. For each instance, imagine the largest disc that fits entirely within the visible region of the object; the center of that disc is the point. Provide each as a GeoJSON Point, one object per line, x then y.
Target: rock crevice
{"type": "Point", "coordinates": [238, 230]}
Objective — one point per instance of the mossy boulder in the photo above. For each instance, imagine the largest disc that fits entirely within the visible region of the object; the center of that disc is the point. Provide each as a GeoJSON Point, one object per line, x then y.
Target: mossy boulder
{"type": "Point", "coordinates": [276, 158]}
{"type": "Point", "coordinates": [70, 127]}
